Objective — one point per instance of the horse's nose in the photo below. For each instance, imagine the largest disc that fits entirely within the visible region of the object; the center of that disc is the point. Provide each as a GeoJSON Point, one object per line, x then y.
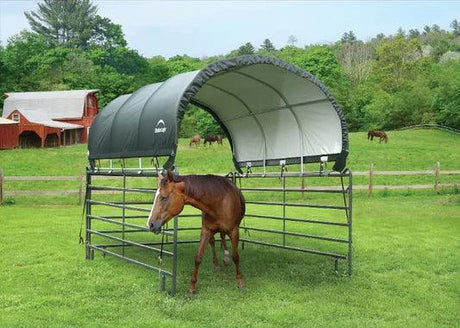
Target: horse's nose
{"type": "Point", "coordinates": [155, 227]}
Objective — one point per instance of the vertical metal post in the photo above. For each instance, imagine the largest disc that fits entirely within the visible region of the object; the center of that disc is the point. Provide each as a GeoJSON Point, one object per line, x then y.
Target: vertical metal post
{"type": "Point", "coordinates": [303, 187]}
{"type": "Point", "coordinates": [174, 258]}
{"type": "Point", "coordinates": [284, 210]}
{"type": "Point", "coordinates": [123, 216]}
{"type": "Point", "coordinates": [89, 251]}
{"type": "Point", "coordinates": [350, 223]}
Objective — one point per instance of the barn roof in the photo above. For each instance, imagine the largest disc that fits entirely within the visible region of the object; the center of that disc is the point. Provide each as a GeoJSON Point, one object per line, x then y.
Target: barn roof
{"type": "Point", "coordinates": [270, 110]}
{"type": "Point", "coordinates": [48, 105]}
{"type": "Point", "coordinates": [7, 121]}
{"type": "Point", "coordinates": [37, 117]}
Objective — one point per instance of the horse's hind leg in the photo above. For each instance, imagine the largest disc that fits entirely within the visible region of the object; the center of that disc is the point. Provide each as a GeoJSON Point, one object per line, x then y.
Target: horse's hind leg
{"type": "Point", "coordinates": [234, 236]}
{"type": "Point", "coordinates": [205, 235]}
{"type": "Point", "coordinates": [212, 242]}
{"type": "Point", "coordinates": [224, 245]}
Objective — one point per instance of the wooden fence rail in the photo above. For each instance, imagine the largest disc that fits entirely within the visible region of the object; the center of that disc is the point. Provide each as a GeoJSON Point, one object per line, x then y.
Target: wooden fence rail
{"type": "Point", "coordinates": [436, 172]}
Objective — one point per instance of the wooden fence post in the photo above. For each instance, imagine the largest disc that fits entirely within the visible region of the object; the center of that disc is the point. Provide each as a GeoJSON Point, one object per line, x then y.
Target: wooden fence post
{"type": "Point", "coordinates": [1, 186]}
{"type": "Point", "coordinates": [436, 177]}
{"type": "Point", "coordinates": [371, 180]}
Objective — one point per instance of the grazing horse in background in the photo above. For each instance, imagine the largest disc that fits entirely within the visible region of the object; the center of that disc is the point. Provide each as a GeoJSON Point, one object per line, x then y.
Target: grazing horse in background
{"type": "Point", "coordinates": [382, 135]}
{"type": "Point", "coordinates": [210, 138]}
{"type": "Point", "coordinates": [222, 206]}
{"type": "Point", "coordinates": [195, 140]}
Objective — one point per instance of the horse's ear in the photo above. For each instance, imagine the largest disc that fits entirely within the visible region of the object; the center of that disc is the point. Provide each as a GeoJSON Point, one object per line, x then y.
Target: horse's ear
{"type": "Point", "coordinates": [170, 176]}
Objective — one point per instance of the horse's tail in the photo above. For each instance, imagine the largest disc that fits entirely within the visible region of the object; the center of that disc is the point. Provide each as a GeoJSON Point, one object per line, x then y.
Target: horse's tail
{"type": "Point", "coordinates": [242, 204]}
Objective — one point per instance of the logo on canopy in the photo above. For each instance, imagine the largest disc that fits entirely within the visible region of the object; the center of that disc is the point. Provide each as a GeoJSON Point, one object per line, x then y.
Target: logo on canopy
{"type": "Point", "coordinates": [160, 127]}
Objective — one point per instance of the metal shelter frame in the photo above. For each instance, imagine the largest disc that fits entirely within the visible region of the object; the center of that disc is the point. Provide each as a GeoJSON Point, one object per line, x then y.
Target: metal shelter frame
{"type": "Point", "coordinates": [117, 235]}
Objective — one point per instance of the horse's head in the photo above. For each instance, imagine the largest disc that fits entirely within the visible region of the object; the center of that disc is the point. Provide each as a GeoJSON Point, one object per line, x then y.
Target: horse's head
{"type": "Point", "coordinates": [169, 201]}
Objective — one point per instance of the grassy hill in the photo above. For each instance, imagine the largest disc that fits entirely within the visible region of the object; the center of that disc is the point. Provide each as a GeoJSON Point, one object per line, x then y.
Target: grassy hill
{"type": "Point", "coordinates": [406, 150]}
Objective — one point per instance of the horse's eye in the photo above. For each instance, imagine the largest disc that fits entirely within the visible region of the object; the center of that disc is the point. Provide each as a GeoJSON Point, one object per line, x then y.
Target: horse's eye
{"type": "Point", "coordinates": [164, 198]}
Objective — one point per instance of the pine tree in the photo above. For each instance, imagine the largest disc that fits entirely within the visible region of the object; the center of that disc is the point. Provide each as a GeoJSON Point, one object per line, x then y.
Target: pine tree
{"type": "Point", "coordinates": [268, 46]}
{"type": "Point", "coordinates": [246, 49]}
{"type": "Point", "coordinates": [69, 23]}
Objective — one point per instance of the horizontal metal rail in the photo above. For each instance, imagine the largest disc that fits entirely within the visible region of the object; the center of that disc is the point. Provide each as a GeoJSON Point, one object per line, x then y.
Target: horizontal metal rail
{"type": "Point", "coordinates": [297, 205]}
{"type": "Point", "coordinates": [300, 249]}
{"type": "Point", "coordinates": [297, 234]}
{"type": "Point", "coordinates": [131, 225]}
{"type": "Point", "coordinates": [141, 190]}
{"type": "Point", "coordinates": [126, 216]}
{"type": "Point", "coordinates": [125, 172]}
{"type": "Point", "coordinates": [293, 174]}
{"type": "Point", "coordinates": [111, 204]}
{"type": "Point", "coordinates": [155, 243]}
{"type": "Point", "coordinates": [318, 190]}
{"type": "Point", "coordinates": [131, 260]}
{"type": "Point", "coordinates": [280, 218]}
{"type": "Point", "coordinates": [122, 231]}
{"type": "Point", "coordinates": [129, 242]}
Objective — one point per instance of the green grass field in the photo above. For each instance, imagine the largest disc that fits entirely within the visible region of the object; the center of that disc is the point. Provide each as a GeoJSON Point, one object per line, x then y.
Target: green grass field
{"type": "Point", "coordinates": [406, 246]}
{"type": "Point", "coordinates": [406, 150]}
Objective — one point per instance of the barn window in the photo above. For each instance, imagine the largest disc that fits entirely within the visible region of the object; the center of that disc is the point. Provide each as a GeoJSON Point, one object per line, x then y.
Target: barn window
{"type": "Point", "coordinates": [16, 117]}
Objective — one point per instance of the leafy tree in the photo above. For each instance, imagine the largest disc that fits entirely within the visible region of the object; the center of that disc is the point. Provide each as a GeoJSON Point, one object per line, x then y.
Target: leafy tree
{"type": "Point", "coordinates": [267, 46]}
{"type": "Point", "coordinates": [182, 64]}
{"type": "Point", "coordinates": [446, 99]}
{"type": "Point", "coordinates": [318, 60]}
{"type": "Point", "coordinates": [159, 68]}
{"type": "Point", "coordinates": [17, 59]}
{"type": "Point", "coordinates": [107, 34]}
{"type": "Point", "coordinates": [246, 49]}
{"type": "Point", "coordinates": [69, 23]}
{"type": "Point", "coordinates": [206, 124]}
{"type": "Point", "coordinates": [395, 59]}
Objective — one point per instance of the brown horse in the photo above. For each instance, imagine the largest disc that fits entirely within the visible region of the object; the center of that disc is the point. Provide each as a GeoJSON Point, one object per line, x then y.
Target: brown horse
{"type": "Point", "coordinates": [195, 140]}
{"type": "Point", "coordinates": [212, 138]}
{"type": "Point", "coordinates": [373, 133]}
{"type": "Point", "coordinates": [222, 206]}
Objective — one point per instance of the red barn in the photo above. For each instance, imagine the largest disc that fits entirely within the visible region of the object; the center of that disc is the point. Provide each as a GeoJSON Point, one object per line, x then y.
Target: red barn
{"type": "Point", "coordinates": [47, 119]}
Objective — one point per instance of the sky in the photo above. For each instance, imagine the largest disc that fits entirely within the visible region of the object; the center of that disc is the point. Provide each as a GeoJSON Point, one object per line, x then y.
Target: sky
{"type": "Point", "coordinates": [208, 28]}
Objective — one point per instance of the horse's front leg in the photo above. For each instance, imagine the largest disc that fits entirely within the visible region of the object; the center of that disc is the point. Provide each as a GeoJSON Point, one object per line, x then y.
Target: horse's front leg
{"type": "Point", "coordinates": [205, 235]}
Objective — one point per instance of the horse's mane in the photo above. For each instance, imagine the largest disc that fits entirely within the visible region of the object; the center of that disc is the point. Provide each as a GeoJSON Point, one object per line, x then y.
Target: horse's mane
{"type": "Point", "coordinates": [197, 186]}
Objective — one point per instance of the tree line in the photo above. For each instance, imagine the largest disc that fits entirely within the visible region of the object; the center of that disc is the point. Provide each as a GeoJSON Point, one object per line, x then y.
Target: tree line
{"type": "Point", "coordinates": [388, 82]}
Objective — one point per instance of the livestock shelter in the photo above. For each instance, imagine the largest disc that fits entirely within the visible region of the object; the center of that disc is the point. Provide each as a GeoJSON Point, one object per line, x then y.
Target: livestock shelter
{"type": "Point", "coordinates": [275, 116]}
{"type": "Point", "coordinates": [48, 118]}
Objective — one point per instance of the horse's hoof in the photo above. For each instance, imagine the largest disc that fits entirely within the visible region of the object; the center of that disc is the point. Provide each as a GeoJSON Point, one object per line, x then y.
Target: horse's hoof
{"type": "Point", "coordinates": [226, 261]}
{"type": "Point", "coordinates": [216, 267]}
{"type": "Point", "coordinates": [241, 285]}
{"type": "Point", "coordinates": [192, 291]}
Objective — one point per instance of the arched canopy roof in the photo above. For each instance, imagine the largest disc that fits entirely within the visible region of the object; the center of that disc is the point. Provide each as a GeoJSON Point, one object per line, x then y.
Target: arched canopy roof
{"type": "Point", "coordinates": [270, 110]}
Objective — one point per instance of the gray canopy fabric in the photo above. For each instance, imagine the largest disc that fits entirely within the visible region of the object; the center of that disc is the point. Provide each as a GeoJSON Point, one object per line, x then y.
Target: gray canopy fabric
{"type": "Point", "coordinates": [270, 110]}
